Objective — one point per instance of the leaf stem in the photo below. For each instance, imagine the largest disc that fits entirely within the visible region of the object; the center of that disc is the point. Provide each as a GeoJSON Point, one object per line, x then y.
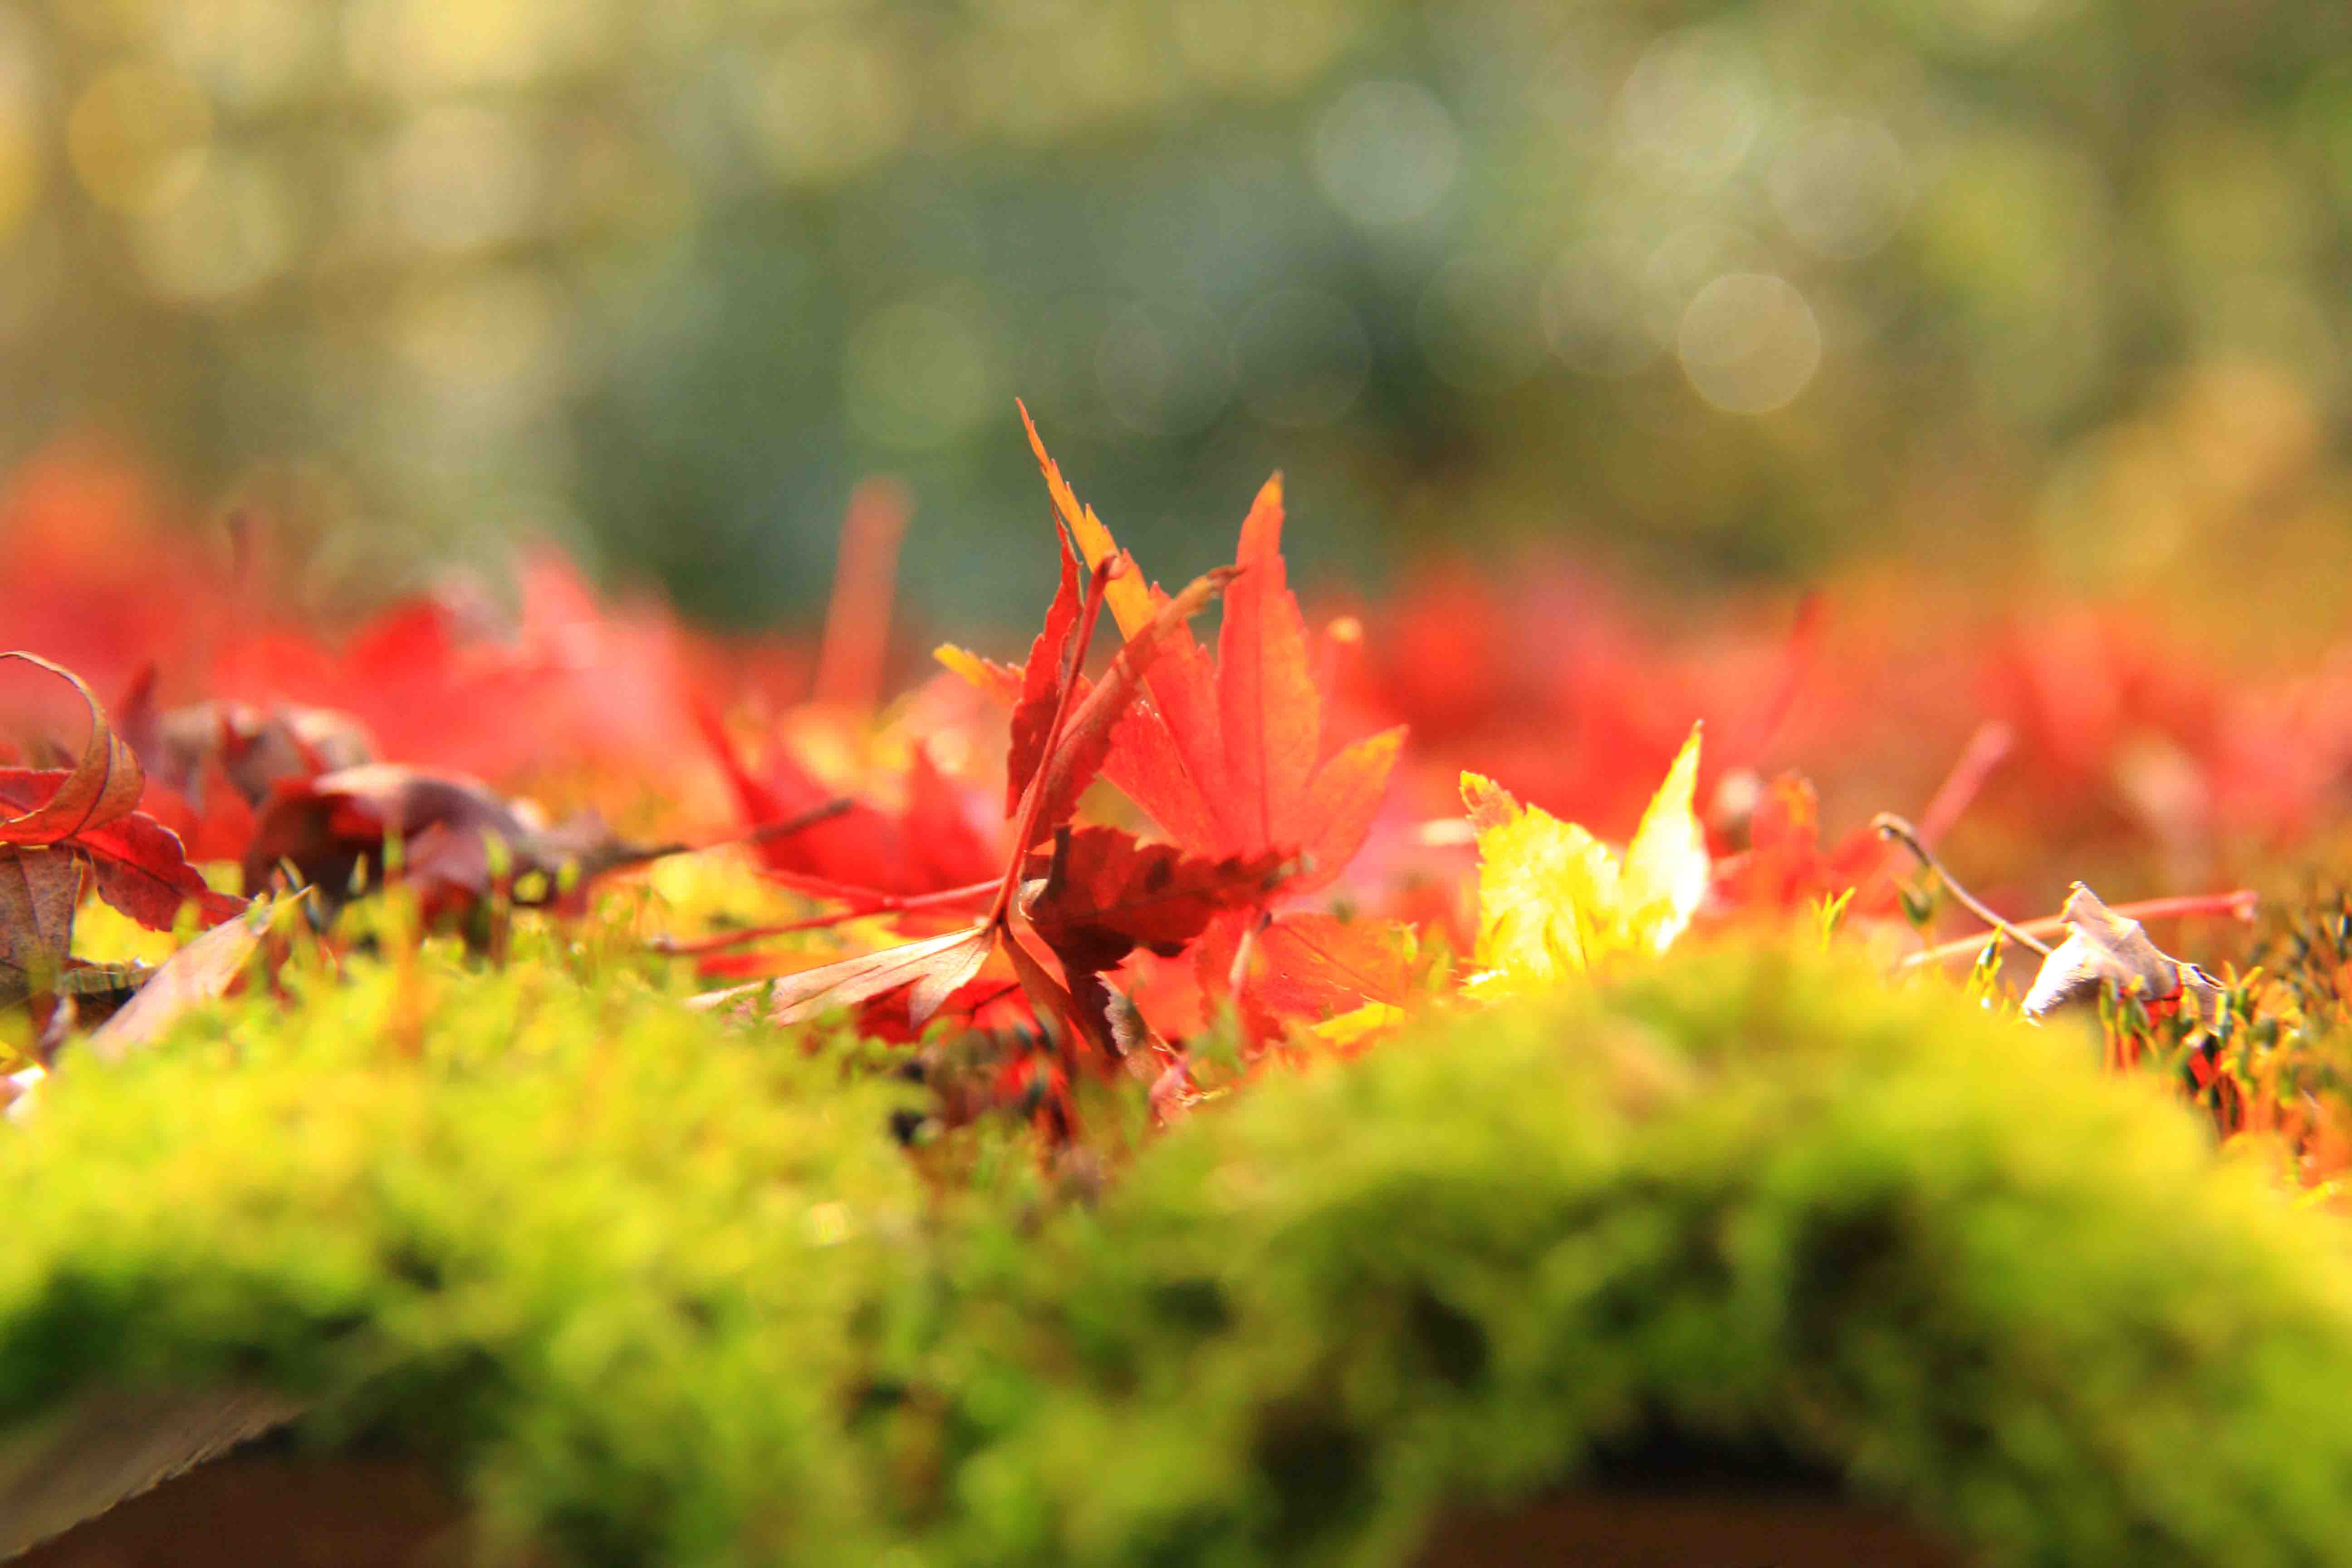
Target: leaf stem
{"type": "Point", "coordinates": [1889, 826]}
{"type": "Point", "coordinates": [874, 904]}
{"type": "Point", "coordinates": [799, 822]}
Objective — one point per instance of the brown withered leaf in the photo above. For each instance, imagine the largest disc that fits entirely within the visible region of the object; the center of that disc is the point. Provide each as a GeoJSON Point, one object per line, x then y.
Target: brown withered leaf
{"type": "Point", "coordinates": [210, 764]}
{"type": "Point", "coordinates": [198, 973]}
{"type": "Point", "coordinates": [2105, 949]}
{"type": "Point", "coordinates": [459, 840]}
{"type": "Point", "coordinates": [38, 890]}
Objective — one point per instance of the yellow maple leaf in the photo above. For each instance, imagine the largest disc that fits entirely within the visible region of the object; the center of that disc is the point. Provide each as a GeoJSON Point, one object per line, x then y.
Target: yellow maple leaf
{"type": "Point", "coordinates": [1554, 902]}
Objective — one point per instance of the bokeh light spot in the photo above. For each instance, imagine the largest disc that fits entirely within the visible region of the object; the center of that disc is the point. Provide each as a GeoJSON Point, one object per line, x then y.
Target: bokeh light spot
{"type": "Point", "coordinates": [1842, 186]}
{"type": "Point", "coordinates": [245, 51]}
{"type": "Point", "coordinates": [1684, 262]}
{"type": "Point", "coordinates": [214, 226]}
{"type": "Point", "coordinates": [1593, 314]}
{"type": "Point", "coordinates": [1691, 108]}
{"type": "Point", "coordinates": [919, 373]}
{"type": "Point", "coordinates": [1749, 343]}
{"type": "Point", "coordinates": [828, 101]}
{"type": "Point", "coordinates": [460, 177]}
{"type": "Point", "coordinates": [1386, 152]}
{"type": "Point", "coordinates": [128, 124]}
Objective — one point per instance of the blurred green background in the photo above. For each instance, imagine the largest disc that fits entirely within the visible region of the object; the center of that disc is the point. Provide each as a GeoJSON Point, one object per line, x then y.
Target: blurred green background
{"type": "Point", "coordinates": [1714, 292]}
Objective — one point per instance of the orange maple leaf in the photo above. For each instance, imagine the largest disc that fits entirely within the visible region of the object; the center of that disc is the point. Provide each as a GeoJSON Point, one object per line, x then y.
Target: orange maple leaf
{"type": "Point", "coordinates": [1228, 756]}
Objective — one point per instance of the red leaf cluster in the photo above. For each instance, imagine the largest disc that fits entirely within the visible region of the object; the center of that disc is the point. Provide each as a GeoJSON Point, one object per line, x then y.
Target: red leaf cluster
{"type": "Point", "coordinates": [64, 827]}
{"type": "Point", "coordinates": [1228, 756]}
{"type": "Point", "coordinates": [135, 863]}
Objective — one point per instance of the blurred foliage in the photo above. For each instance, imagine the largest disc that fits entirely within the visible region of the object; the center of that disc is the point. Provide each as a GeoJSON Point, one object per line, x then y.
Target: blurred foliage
{"type": "Point", "coordinates": [1729, 290]}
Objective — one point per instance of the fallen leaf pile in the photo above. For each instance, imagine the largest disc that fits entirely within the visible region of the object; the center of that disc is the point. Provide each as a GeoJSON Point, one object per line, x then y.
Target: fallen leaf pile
{"type": "Point", "coordinates": [1145, 860]}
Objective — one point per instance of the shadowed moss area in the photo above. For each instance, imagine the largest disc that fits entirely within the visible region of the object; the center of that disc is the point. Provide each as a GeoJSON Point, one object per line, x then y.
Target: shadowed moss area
{"type": "Point", "coordinates": [655, 1291]}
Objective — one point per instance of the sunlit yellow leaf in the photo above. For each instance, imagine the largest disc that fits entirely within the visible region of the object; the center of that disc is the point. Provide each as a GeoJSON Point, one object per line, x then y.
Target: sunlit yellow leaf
{"type": "Point", "coordinates": [1357, 1024]}
{"type": "Point", "coordinates": [1554, 901]}
{"type": "Point", "coordinates": [1665, 870]}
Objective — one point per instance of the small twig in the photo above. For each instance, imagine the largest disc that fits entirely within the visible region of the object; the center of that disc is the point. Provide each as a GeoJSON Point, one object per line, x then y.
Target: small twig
{"type": "Point", "coordinates": [2237, 904]}
{"type": "Point", "coordinates": [877, 904]}
{"type": "Point", "coordinates": [799, 821]}
{"type": "Point", "coordinates": [1889, 826]}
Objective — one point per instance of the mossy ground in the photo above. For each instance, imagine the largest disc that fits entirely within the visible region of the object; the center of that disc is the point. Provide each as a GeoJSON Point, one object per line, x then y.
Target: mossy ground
{"type": "Point", "coordinates": [653, 1289]}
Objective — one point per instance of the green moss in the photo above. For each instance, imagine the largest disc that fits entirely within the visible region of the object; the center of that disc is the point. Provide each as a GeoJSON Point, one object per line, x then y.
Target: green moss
{"type": "Point", "coordinates": [665, 1292]}
{"type": "Point", "coordinates": [1748, 1199]}
{"type": "Point", "coordinates": [593, 1249]}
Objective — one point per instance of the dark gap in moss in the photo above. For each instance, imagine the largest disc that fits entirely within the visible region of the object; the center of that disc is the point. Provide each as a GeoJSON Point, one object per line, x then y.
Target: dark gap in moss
{"type": "Point", "coordinates": [699, 1311]}
{"type": "Point", "coordinates": [1845, 1262]}
{"type": "Point", "coordinates": [1658, 1454]}
{"type": "Point", "coordinates": [75, 1329]}
{"type": "Point", "coordinates": [1688, 1261]}
{"type": "Point", "coordinates": [876, 1396]}
{"type": "Point", "coordinates": [1319, 1469]}
{"type": "Point", "coordinates": [1451, 1342]}
{"type": "Point", "coordinates": [1197, 1305]}
{"type": "Point", "coordinates": [1191, 1537]}
{"type": "Point", "coordinates": [411, 1265]}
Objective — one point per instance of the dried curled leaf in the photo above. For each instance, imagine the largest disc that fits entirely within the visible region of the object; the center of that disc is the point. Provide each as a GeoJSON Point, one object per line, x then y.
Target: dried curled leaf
{"type": "Point", "coordinates": [136, 864]}
{"type": "Point", "coordinates": [103, 786]}
{"type": "Point", "coordinates": [2105, 949]}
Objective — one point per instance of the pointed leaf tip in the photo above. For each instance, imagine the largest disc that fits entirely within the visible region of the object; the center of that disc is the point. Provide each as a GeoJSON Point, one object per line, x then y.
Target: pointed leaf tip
{"type": "Point", "coordinates": [1260, 537]}
{"type": "Point", "coordinates": [1489, 804]}
{"type": "Point", "coordinates": [1666, 867]}
{"type": "Point", "coordinates": [1129, 600]}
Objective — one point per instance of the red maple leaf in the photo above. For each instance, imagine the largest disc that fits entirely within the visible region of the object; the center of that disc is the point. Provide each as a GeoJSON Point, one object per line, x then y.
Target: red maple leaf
{"type": "Point", "coordinates": [1306, 967]}
{"type": "Point", "coordinates": [1228, 756]}
{"type": "Point", "coordinates": [1105, 893]}
{"type": "Point", "coordinates": [1076, 740]}
{"type": "Point", "coordinates": [856, 850]}
{"type": "Point", "coordinates": [1784, 866]}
